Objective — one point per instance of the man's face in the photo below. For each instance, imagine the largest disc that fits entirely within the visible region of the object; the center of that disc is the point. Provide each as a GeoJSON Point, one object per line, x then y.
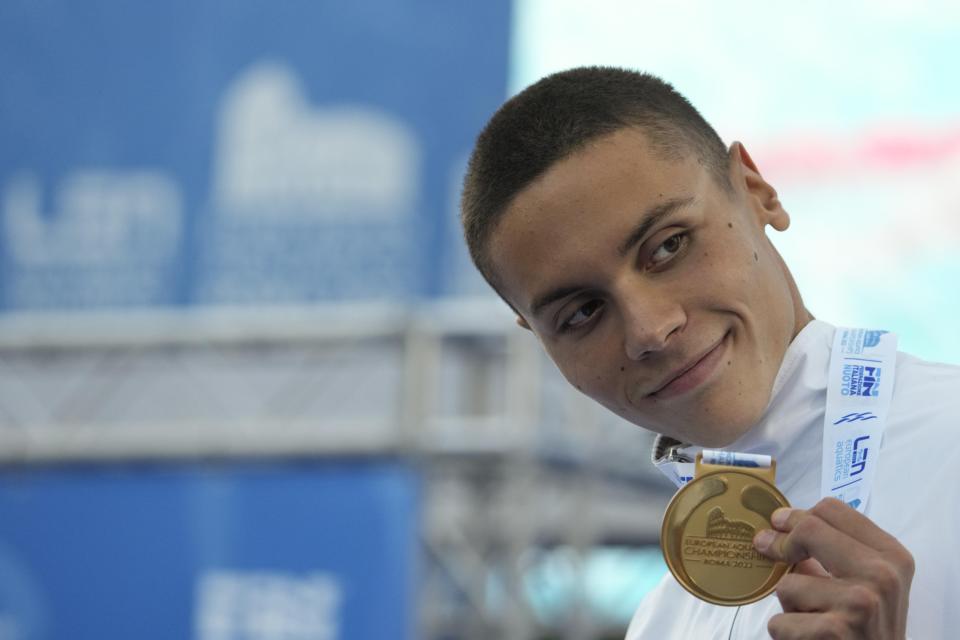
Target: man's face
{"type": "Point", "coordinates": [655, 292]}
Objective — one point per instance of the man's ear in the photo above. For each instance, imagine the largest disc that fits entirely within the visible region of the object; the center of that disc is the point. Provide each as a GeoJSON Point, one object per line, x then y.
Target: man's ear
{"type": "Point", "coordinates": [746, 176]}
{"type": "Point", "coordinates": [523, 323]}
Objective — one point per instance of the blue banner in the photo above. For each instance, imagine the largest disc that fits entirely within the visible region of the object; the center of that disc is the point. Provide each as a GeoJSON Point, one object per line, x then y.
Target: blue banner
{"type": "Point", "coordinates": [240, 552]}
{"type": "Point", "coordinates": [199, 152]}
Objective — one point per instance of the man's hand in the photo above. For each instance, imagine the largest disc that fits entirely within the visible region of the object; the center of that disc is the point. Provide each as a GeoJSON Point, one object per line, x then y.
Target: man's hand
{"type": "Point", "coordinates": [852, 579]}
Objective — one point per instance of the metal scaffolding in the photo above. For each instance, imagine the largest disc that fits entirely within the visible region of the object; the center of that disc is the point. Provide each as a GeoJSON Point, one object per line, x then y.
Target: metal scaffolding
{"type": "Point", "coordinates": [513, 461]}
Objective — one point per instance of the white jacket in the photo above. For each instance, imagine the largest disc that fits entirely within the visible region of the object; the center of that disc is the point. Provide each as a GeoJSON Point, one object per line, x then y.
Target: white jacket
{"type": "Point", "coordinates": [915, 496]}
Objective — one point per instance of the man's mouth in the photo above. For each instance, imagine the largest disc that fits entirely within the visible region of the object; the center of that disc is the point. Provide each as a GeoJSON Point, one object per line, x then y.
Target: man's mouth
{"type": "Point", "coordinates": [692, 374]}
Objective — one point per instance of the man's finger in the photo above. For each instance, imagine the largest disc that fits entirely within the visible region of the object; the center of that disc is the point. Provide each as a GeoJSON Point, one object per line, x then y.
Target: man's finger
{"type": "Point", "coordinates": [805, 594]}
{"type": "Point", "coordinates": [811, 567]}
{"type": "Point", "coordinates": [811, 537]}
{"type": "Point", "coordinates": [797, 626]}
{"type": "Point", "coordinates": [841, 517]}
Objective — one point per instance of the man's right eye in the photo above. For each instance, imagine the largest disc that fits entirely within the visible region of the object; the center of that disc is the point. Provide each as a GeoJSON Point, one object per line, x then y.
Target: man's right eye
{"type": "Point", "coordinates": [581, 316]}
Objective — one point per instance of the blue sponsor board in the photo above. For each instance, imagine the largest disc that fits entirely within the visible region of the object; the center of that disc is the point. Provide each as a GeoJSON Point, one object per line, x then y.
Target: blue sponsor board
{"type": "Point", "coordinates": [305, 552]}
{"type": "Point", "coordinates": [201, 152]}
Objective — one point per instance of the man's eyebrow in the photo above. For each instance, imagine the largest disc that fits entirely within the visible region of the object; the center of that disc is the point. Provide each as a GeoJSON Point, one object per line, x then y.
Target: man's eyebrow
{"type": "Point", "coordinates": [650, 217]}
{"type": "Point", "coordinates": [553, 295]}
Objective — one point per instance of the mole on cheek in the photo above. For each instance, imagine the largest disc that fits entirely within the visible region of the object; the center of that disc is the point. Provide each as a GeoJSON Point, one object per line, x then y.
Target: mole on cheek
{"type": "Point", "coordinates": [730, 224]}
{"type": "Point", "coordinates": [755, 258]}
{"type": "Point", "coordinates": [621, 368]}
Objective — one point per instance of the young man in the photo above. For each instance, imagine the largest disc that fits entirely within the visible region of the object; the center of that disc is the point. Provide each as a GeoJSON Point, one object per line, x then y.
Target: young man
{"type": "Point", "coordinates": [632, 242]}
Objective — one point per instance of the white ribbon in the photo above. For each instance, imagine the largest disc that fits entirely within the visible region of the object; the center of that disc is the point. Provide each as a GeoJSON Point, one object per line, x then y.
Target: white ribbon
{"type": "Point", "coordinates": [859, 389]}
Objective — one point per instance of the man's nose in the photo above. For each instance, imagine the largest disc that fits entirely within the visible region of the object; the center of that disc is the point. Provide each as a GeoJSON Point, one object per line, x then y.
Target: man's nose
{"type": "Point", "coordinates": [649, 325]}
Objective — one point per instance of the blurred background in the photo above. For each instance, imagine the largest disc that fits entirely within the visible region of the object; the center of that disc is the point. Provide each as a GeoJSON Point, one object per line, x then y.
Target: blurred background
{"type": "Point", "coordinates": [250, 386]}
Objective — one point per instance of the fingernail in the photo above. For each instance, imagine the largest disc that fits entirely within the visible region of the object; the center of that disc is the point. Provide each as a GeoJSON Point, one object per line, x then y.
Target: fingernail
{"type": "Point", "coordinates": [779, 517]}
{"type": "Point", "coordinates": [763, 539]}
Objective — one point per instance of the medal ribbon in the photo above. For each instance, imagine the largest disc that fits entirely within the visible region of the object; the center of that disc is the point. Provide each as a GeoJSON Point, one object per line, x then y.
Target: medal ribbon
{"type": "Point", "coordinates": [859, 389]}
{"type": "Point", "coordinates": [676, 466]}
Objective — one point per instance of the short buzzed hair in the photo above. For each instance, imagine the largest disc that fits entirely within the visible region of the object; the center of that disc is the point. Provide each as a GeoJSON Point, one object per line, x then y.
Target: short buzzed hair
{"type": "Point", "coordinates": [561, 114]}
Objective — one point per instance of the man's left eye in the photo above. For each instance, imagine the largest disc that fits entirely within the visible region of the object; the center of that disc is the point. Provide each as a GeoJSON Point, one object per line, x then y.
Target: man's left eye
{"type": "Point", "coordinates": [669, 248]}
{"type": "Point", "coordinates": [581, 316]}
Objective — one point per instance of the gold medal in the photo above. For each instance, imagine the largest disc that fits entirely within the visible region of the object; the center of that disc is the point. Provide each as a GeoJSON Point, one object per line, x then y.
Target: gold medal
{"type": "Point", "coordinates": [708, 528]}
